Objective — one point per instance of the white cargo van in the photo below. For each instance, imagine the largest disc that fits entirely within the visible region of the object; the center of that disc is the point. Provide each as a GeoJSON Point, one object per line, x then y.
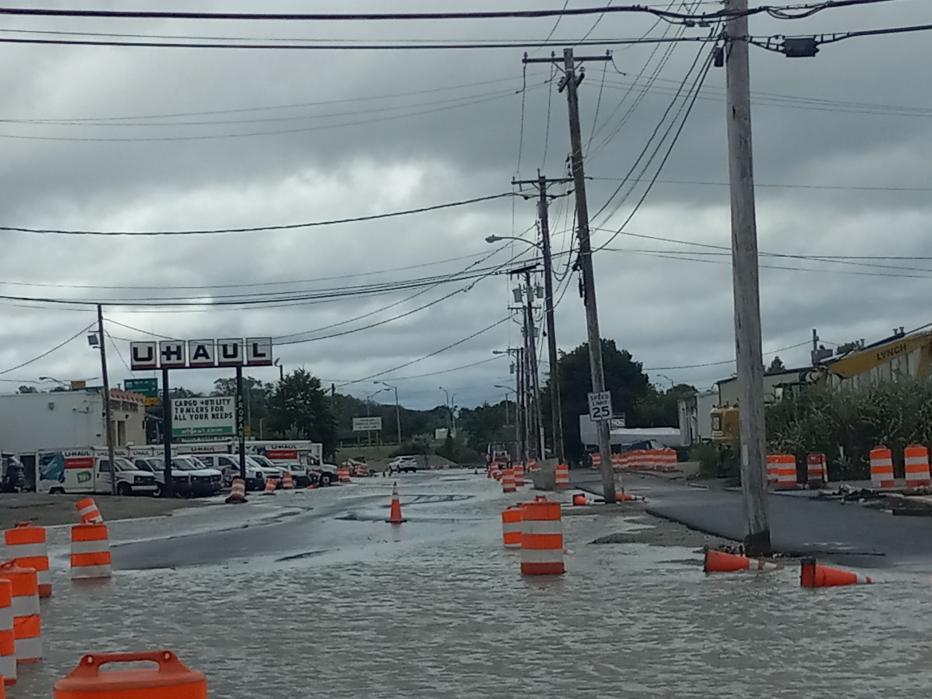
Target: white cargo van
{"type": "Point", "coordinates": [88, 470]}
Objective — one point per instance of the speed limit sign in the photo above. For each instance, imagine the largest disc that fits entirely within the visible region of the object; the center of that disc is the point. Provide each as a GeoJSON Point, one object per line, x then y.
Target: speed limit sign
{"type": "Point", "coordinates": [600, 406]}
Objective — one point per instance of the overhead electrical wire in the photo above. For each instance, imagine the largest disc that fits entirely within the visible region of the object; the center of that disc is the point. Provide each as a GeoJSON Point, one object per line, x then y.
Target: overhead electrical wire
{"type": "Point", "coordinates": [724, 361]}
{"type": "Point", "coordinates": [47, 352]}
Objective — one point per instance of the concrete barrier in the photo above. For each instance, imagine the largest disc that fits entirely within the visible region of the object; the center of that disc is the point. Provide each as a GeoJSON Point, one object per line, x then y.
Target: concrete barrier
{"type": "Point", "coordinates": [546, 477]}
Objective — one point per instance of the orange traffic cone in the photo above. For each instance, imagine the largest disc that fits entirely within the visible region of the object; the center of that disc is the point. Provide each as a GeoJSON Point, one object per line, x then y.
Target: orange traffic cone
{"type": "Point", "coordinates": [394, 516]}
{"type": "Point", "coordinates": [580, 499]}
{"type": "Point", "coordinates": [814, 575]}
{"type": "Point", "coordinates": [721, 562]}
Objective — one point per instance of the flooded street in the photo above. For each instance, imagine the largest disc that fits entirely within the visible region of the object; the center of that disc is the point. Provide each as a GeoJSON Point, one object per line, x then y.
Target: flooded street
{"type": "Point", "coordinates": [322, 598]}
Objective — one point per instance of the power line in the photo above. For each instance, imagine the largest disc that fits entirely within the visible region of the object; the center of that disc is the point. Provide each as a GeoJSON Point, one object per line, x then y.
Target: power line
{"type": "Point", "coordinates": [256, 229]}
{"type": "Point", "coordinates": [726, 361]}
{"type": "Point", "coordinates": [50, 351]}
{"type": "Point", "coordinates": [117, 350]}
{"type": "Point", "coordinates": [431, 354]}
{"type": "Point", "coordinates": [794, 185]}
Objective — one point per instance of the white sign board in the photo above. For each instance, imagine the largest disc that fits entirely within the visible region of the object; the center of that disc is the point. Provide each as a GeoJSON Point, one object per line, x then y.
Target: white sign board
{"type": "Point", "coordinates": [440, 434]}
{"type": "Point", "coordinates": [367, 424]}
{"type": "Point", "coordinates": [203, 418]}
{"type": "Point", "coordinates": [200, 354]}
{"type": "Point", "coordinates": [600, 406]}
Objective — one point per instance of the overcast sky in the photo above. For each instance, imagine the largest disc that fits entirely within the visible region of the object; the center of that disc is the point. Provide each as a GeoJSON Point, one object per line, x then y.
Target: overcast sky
{"type": "Point", "coordinates": [382, 131]}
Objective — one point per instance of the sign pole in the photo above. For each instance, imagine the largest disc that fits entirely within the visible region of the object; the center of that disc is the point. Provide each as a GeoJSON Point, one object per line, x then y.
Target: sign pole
{"type": "Point", "coordinates": [168, 488]}
{"type": "Point", "coordinates": [241, 422]}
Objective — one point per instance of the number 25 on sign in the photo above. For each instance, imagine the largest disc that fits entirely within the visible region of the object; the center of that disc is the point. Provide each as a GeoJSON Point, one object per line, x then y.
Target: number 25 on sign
{"type": "Point", "coordinates": [600, 406]}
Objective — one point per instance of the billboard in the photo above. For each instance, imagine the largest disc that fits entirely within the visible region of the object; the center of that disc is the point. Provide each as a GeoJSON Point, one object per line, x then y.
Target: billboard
{"type": "Point", "coordinates": [200, 419]}
{"type": "Point", "coordinates": [201, 354]}
{"type": "Point", "coordinates": [367, 424]}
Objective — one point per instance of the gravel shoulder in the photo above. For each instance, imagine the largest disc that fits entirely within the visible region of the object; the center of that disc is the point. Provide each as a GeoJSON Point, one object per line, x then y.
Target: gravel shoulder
{"type": "Point", "coordinates": [50, 510]}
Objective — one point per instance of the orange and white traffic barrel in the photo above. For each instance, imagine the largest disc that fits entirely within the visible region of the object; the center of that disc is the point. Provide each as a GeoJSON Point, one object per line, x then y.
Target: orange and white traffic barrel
{"type": "Point", "coordinates": [786, 471]}
{"type": "Point", "coordinates": [343, 474]}
{"type": "Point", "coordinates": [508, 481]}
{"type": "Point", "coordinates": [816, 468]}
{"type": "Point", "coordinates": [519, 475]}
{"type": "Point", "coordinates": [882, 468]}
{"type": "Point", "coordinates": [27, 546]}
{"type": "Point", "coordinates": [27, 626]}
{"type": "Point", "coordinates": [511, 527]}
{"type": "Point", "coordinates": [541, 538]}
{"type": "Point", "coordinates": [7, 635]}
{"type": "Point", "coordinates": [596, 460]}
{"type": "Point", "coordinates": [90, 552]}
{"type": "Point", "coordinates": [88, 512]}
{"type": "Point", "coordinates": [270, 485]}
{"type": "Point", "coordinates": [171, 678]}
{"type": "Point", "coordinates": [237, 491]}
{"type": "Point", "coordinates": [563, 477]}
{"type": "Point", "coordinates": [917, 466]}
{"type": "Point", "coordinates": [287, 481]}
{"type": "Point", "coordinates": [533, 465]}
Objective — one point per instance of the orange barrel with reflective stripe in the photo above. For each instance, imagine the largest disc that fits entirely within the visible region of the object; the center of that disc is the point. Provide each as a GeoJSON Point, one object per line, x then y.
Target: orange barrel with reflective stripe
{"type": "Point", "coordinates": [519, 475]}
{"type": "Point", "coordinates": [27, 546]}
{"type": "Point", "coordinates": [7, 635]}
{"type": "Point", "coordinates": [508, 481]}
{"type": "Point", "coordinates": [27, 627]}
{"type": "Point", "coordinates": [170, 679]}
{"type": "Point", "coordinates": [786, 471]}
{"type": "Point", "coordinates": [596, 460]}
{"type": "Point", "coordinates": [88, 512]}
{"type": "Point", "coordinates": [343, 474]}
{"type": "Point", "coordinates": [917, 466]}
{"type": "Point", "coordinates": [90, 552]}
{"type": "Point", "coordinates": [882, 468]}
{"type": "Point", "coordinates": [817, 468]}
{"type": "Point", "coordinates": [563, 477]}
{"type": "Point", "coordinates": [541, 538]}
{"type": "Point", "coordinates": [773, 469]}
{"type": "Point", "coordinates": [287, 481]}
{"type": "Point", "coordinates": [270, 485]}
{"type": "Point", "coordinates": [511, 527]}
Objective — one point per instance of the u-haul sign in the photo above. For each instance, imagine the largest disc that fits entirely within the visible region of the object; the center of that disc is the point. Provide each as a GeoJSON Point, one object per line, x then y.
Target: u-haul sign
{"type": "Point", "coordinates": [201, 354]}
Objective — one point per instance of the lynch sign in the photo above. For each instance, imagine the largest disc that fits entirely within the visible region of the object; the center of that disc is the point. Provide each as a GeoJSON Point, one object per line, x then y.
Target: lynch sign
{"type": "Point", "coordinates": [201, 354]}
{"type": "Point", "coordinates": [203, 418]}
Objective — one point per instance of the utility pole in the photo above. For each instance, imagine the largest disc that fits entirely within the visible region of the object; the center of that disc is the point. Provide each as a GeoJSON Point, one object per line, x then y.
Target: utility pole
{"type": "Point", "coordinates": [522, 390]}
{"type": "Point", "coordinates": [535, 374]}
{"type": "Point", "coordinates": [570, 82]}
{"type": "Point", "coordinates": [108, 418]}
{"type": "Point", "coordinates": [556, 409]}
{"type": "Point", "coordinates": [746, 284]}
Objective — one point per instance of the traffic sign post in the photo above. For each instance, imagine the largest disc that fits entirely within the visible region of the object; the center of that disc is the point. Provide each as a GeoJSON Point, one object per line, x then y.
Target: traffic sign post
{"type": "Point", "coordinates": [600, 406]}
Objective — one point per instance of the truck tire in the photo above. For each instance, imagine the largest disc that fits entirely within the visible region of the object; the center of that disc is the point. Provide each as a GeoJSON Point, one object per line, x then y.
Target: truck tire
{"type": "Point", "coordinates": [325, 480]}
{"type": "Point", "coordinates": [124, 489]}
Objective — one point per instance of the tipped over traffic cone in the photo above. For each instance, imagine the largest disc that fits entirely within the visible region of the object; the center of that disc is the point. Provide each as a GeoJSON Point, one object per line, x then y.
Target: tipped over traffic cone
{"type": "Point", "coordinates": [625, 497]}
{"type": "Point", "coordinates": [721, 562]}
{"type": "Point", "coordinates": [394, 516]}
{"type": "Point", "coordinates": [814, 575]}
{"type": "Point", "coordinates": [580, 499]}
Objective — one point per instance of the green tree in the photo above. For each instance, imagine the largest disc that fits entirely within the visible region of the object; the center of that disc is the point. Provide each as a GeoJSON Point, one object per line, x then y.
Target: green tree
{"type": "Point", "coordinates": [486, 423]}
{"type": "Point", "coordinates": [299, 408]}
{"type": "Point", "coordinates": [624, 377]}
{"type": "Point", "coordinates": [256, 396]}
{"type": "Point", "coordinates": [661, 408]}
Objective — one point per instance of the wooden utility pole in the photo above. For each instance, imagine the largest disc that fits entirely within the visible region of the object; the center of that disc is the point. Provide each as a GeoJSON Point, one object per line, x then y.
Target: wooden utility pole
{"type": "Point", "coordinates": [570, 82]}
{"type": "Point", "coordinates": [532, 361]}
{"type": "Point", "coordinates": [746, 284]}
{"type": "Point", "coordinates": [556, 409]}
{"type": "Point", "coordinates": [108, 416]}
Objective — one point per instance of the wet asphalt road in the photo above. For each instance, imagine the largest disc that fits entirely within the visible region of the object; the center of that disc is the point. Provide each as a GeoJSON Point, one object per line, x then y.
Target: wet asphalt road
{"type": "Point", "coordinates": [848, 534]}
{"type": "Point", "coordinates": [313, 595]}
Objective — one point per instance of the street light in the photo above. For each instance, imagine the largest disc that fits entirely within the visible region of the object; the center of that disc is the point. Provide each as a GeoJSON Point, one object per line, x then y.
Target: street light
{"type": "Point", "coordinates": [397, 409]}
{"type": "Point", "coordinates": [555, 407]}
{"type": "Point", "coordinates": [507, 391]}
{"type": "Point", "coordinates": [664, 376]}
{"type": "Point", "coordinates": [369, 398]}
{"type": "Point", "coordinates": [281, 369]}
{"type": "Point", "coordinates": [450, 407]}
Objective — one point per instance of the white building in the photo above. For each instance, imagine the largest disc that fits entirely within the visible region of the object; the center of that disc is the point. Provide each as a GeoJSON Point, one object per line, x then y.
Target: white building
{"type": "Point", "coordinates": [33, 421]}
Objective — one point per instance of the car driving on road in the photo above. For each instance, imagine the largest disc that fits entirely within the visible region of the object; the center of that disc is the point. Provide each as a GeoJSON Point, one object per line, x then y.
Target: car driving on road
{"type": "Point", "coordinates": [403, 464]}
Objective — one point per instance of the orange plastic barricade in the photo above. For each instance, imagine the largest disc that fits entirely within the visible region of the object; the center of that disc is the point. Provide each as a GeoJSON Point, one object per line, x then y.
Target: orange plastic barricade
{"type": "Point", "coordinates": [533, 465]}
{"type": "Point", "coordinates": [90, 552]}
{"type": "Point", "coordinates": [271, 484]}
{"type": "Point", "coordinates": [781, 471]}
{"type": "Point", "coordinates": [519, 475]}
{"type": "Point", "coordinates": [343, 474]}
{"type": "Point", "coordinates": [237, 491]}
{"type": "Point", "coordinates": [88, 512]}
{"type": "Point", "coordinates": [541, 538]}
{"type": "Point", "coordinates": [7, 635]}
{"type": "Point", "coordinates": [508, 481]}
{"type": "Point", "coordinates": [287, 481]}
{"type": "Point", "coordinates": [882, 468]}
{"type": "Point", "coordinates": [497, 474]}
{"type": "Point", "coordinates": [511, 527]}
{"type": "Point", "coordinates": [172, 679]}
{"type": "Point", "coordinates": [27, 626]}
{"type": "Point", "coordinates": [27, 546]}
{"type": "Point", "coordinates": [815, 575]}
{"type": "Point", "coordinates": [563, 477]}
{"type": "Point", "coordinates": [721, 562]}
{"type": "Point", "coordinates": [917, 466]}
{"type": "Point", "coordinates": [817, 468]}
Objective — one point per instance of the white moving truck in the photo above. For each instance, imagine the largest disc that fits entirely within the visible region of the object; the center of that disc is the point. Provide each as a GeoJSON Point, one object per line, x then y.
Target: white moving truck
{"type": "Point", "coordinates": [88, 470]}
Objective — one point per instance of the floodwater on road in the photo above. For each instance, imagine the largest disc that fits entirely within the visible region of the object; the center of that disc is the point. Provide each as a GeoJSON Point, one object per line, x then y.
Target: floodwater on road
{"type": "Point", "coordinates": [328, 600]}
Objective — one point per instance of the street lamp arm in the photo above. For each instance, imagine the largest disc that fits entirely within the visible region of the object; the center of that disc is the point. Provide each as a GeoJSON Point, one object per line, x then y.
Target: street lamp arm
{"type": "Point", "coordinates": [497, 238]}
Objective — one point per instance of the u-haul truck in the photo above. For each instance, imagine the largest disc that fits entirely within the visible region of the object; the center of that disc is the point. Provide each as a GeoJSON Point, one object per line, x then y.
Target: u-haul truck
{"type": "Point", "coordinates": [88, 470]}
